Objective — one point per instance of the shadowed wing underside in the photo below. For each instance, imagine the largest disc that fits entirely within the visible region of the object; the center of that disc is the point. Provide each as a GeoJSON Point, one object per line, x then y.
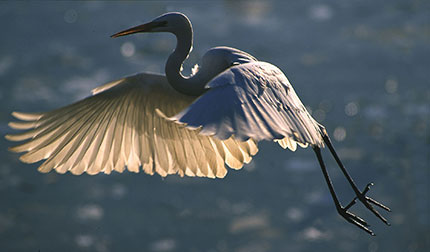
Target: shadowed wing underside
{"type": "Point", "coordinates": [117, 128]}
{"type": "Point", "coordinates": [253, 100]}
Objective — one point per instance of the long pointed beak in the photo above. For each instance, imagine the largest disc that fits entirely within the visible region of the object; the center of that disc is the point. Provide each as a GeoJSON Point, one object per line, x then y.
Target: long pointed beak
{"type": "Point", "coordinates": [140, 28]}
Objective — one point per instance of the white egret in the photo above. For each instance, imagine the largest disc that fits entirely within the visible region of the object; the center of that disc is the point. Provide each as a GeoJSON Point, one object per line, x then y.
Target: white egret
{"type": "Point", "coordinates": [180, 125]}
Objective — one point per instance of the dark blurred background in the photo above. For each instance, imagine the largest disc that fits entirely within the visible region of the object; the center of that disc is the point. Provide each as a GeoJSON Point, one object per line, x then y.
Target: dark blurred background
{"type": "Point", "coordinates": [361, 67]}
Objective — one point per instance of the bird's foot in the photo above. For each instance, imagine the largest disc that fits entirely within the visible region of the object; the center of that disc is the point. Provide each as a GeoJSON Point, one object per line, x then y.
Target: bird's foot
{"type": "Point", "coordinates": [354, 219]}
{"type": "Point", "coordinates": [367, 201]}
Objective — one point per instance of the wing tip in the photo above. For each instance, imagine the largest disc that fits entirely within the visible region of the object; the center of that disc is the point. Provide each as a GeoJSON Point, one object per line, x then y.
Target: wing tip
{"type": "Point", "coordinates": [26, 116]}
{"type": "Point", "coordinates": [26, 160]}
{"type": "Point", "coordinates": [106, 86]}
{"type": "Point", "coordinates": [44, 169]}
{"type": "Point", "coordinates": [13, 125]}
{"type": "Point", "coordinates": [15, 149]}
{"type": "Point", "coordinates": [10, 137]}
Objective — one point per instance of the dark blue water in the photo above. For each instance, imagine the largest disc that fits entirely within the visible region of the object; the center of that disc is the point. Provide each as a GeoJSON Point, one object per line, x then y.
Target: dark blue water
{"type": "Point", "coordinates": [362, 67]}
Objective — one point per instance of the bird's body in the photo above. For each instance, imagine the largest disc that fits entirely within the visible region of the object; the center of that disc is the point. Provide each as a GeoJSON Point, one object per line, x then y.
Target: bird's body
{"type": "Point", "coordinates": [175, 124]}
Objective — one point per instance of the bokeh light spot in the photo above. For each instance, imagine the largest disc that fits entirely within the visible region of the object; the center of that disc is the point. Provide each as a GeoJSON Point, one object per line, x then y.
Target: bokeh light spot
{"type": "Point", "coordinates": [391, 85]}
{"type": "Point", "coordinates": [84, 241]}
{"type": "Point", "coordinates": [339, 134]}
{"type": "Point", "coordinates": [128, 49]}
{"type": "Point", "coordinates": [319, 115]}
{"type": "Point", "coordinates": [90, 212]}
{"type": "Point", "coordinates": [294, 214]}
{"type": "Point", "coordinates": [320, 12]}
{"type": "Point", "coordinates": [313, 233]}
{"type": "Point", "coordinates": [118, 191]}
{"type": "Point", "coordinates": [167, 244]}
{"type": "Point", "coordinates": [351, 109]}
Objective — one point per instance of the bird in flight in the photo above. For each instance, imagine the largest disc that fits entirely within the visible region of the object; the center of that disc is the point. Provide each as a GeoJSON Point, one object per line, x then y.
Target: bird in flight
{"type": "Point", "coordinates": [175, 124]}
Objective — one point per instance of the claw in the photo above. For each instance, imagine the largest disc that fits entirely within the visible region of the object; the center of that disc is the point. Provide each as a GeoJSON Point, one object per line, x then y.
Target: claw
{"type": "Point", "coordinates": [367, 188]}
{"type": "Point", "coordinates": [354, 219]}
{"type": "Point", "coordinates": [374, 211]}
{"type": "Point", "coordinates": [378, 204]}
{"type": "Point", "coordinates": [360, 220]}
{"type": "Point", "coordinates": [366, 202]}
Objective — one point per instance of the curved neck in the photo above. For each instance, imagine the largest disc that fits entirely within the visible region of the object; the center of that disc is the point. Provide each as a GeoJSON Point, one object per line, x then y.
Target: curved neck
{"type": "Point", "coordinates": [182, 84]}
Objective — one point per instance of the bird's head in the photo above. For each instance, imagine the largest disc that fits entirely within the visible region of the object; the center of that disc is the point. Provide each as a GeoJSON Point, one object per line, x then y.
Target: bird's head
{"type": "Point", "coordinates": [169, 22]}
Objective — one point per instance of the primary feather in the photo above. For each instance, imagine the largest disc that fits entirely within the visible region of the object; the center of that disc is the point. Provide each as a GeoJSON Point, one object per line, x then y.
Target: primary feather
{"type": "Point", "coordinates": [118, 128]}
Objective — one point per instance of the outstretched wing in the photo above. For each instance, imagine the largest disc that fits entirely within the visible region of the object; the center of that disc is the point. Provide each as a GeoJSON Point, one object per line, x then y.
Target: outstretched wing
{"type": "Point", "coordinates": [117, 127]}
{"type": "Point", "coordinates": [252, 101]}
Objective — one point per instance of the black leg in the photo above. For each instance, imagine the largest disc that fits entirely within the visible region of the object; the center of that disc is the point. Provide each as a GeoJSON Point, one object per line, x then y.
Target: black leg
{"type": "Point", "coordinates": [359, 195]}
{"type": "Point", "coordinates": [343, 211]}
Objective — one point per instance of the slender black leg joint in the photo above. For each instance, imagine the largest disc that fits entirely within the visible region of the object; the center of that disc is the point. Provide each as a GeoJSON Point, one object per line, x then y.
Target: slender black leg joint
{"type": "Point", "coordinates": [361, 196]}
{"type": "Point", "coordinates": [343, 211]}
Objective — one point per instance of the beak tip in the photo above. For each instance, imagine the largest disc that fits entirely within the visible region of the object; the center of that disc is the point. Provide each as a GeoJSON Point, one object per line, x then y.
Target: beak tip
{"type": "Point", "coordinates": [116, 35]}
{"type": "Point", "coordinates": [140, 28]}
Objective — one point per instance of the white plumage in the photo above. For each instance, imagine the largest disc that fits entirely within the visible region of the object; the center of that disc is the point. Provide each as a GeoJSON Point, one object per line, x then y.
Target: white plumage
{"type": "Point", "coordinates": [180, 125]}
{"type": "Point", "coordinates": [252, 100]}
{"type": "Point", "coordinates": [118, 128]}
{"type": "Point", "coordinates": [172, 124]}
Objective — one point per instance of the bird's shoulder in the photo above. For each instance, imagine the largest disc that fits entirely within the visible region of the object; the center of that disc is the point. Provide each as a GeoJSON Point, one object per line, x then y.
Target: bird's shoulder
{"type": "Point", "coordinates": [256, 74]}
{"type": "Point", "coordinates": [225, 53]}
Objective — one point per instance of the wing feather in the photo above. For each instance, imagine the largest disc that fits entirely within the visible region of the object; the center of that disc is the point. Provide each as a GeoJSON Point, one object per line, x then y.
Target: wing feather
{"type": "Point", "coordinates": [61, 124]}
{"type": "Point", "coordinates": [79, 146]}
{"type": "Point", "coordinates": [27, 116]}
{"type": "Point", "coordinates": [118, 128]}
{"type": "Point", "coordinates": [133, 161]}
{"type": "Point", "coordinates": [96, 154]}
{"type": "Point", "coordinates": [258, 102]}
{"type": "Point", "coordinates": [234, 156]}
{"type": "Point", "coordinates": [63, 148]}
